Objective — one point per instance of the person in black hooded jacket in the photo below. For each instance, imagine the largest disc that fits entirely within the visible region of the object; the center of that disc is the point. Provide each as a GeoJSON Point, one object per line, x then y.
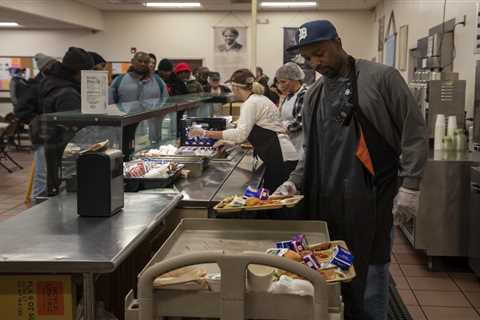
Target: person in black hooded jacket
{"type": "Point", "coordinates": [60, 89]}
{"type": "Point", "coordinates": [175, 86]}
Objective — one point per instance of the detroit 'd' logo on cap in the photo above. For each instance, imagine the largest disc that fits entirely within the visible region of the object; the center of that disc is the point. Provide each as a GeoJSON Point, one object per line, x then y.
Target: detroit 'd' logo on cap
{"type": "Point", "coordinates": [302, 34]}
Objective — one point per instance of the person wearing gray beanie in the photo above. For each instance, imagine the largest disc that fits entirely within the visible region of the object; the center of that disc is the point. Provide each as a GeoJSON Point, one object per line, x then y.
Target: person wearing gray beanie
{"type": "Point", "coordinates": [290, 81]}
{"type": "Point", "coordinates": [43, 61]}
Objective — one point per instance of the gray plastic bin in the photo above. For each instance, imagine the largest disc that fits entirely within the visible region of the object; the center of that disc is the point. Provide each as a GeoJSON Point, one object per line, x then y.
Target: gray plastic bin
{"type": "Point", "coordinates": [229, 246]}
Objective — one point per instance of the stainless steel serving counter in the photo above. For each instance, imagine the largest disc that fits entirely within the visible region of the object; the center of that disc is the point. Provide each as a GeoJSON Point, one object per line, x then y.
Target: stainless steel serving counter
{"type": "Point", "coordinates": [441, 225]}
{"type": "Point", "coordinates": [245, 174]}
{"type": "Point", "coordinates": [52, 238]}
{"type": "Point", "coordinates": [220, 179]}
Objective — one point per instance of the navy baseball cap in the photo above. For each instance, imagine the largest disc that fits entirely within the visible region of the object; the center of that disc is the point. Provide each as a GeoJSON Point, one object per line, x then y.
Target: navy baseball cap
{"type": "Point", "coordinates": [313, 32]}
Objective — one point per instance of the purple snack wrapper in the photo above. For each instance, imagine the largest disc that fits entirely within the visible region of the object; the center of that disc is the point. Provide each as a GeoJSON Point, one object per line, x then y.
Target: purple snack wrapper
{"type": "Point", "coordinates": [264, 194]}
{"type": "Point", "coordinates": [300, 241]}
{"type": "Point", "coordinates": [311, 261]}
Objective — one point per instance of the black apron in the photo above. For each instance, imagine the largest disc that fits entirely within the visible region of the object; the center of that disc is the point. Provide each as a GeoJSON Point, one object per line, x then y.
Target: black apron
{"type": "Point", "coordinates": [267, 147]}
{"type": "Point", "coordinates": [356, 205]}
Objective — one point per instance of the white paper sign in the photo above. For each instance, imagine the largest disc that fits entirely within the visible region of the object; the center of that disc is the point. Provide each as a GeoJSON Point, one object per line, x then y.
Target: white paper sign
{"type": "Point", "coordinates": [94, 91]}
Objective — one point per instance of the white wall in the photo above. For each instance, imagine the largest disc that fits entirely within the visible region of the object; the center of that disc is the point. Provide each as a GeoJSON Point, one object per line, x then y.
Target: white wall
{"type": "Point", "coordinates": [421, 15]}
{"type": "Point", "coordinates": [68, 11]}
{"type": "Point", "coordinates": [186, 35]}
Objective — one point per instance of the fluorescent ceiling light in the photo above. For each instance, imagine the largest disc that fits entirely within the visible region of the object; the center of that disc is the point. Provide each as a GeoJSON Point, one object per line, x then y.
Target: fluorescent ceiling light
{"type": "Point", "coordinates": [9, 24]}
{"type": "Point", "coordinates": [173, 4]}
{"type": "Point", "coordinates": [288, 4]}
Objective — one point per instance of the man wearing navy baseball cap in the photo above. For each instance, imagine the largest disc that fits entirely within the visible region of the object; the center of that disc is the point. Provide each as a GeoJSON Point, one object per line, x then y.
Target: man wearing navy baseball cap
{"type": "Point", "coordinates": [364, 136]}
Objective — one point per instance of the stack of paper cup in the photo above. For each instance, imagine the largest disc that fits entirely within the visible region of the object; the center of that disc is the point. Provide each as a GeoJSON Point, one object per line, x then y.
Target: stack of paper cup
{"type": "Point", "coordinates": [439, 132]}
{"type": "Point", "coordinates": [259, 278]}
{"type": "Point", "coordinates": [452, 125]}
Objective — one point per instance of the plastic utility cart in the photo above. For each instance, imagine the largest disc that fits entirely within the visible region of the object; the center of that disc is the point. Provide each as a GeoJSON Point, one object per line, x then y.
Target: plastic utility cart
{"type": "Point", "coordinates": [228, 247]}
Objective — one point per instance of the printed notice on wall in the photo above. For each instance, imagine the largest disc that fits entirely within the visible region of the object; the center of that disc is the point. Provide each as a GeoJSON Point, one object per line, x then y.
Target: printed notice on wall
{"type": "Point", "coordinates": [94, 91]}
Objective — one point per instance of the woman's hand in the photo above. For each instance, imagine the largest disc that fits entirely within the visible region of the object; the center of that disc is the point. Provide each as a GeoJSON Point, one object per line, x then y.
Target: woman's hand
{"type": "Point", "coordinates": [196, 132]}
{"type": "Point", "coordinates": [219, 144]}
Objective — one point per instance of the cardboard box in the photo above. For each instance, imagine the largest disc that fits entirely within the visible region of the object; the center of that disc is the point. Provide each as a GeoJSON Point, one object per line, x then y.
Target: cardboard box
{"type": "Point", "coordinates": [36, 297]}
{"type": "Point", "coordinates": [235, 109]}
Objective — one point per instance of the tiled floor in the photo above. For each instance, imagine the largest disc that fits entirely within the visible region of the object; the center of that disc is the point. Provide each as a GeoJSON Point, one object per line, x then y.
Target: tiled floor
{"type": "Point", "coordinates": [427, 295]}
{"type": "Point", "coordinates": [432, 295]}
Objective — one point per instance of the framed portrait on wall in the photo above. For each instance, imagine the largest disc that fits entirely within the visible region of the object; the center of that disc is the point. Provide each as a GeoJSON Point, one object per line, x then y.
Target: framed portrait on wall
{"type": "Point", "coordinates": [230, 49]}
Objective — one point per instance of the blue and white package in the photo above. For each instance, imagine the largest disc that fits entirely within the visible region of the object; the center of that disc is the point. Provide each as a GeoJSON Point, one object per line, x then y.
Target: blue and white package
{"type": "Point", "coordinates": [342, 258]}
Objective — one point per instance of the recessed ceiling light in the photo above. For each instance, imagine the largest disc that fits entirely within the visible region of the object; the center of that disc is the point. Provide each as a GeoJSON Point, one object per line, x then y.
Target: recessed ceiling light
{"type": "Point", "coordinates": [276, 4]}
{"type": "Point", "coordinates": [173, 4]}
{"type": "Point", "coordinates": [9, 24]}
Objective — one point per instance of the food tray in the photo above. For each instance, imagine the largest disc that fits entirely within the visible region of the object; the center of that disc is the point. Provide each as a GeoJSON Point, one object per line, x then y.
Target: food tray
{"type": "Point", "coordinates": [350, 273]}
{"type": "Point", "coordinates": [286, 203]}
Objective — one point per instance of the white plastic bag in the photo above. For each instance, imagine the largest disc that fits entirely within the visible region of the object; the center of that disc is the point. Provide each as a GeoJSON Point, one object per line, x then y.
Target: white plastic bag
{"type": "Point", "coordinates": [292, 286]}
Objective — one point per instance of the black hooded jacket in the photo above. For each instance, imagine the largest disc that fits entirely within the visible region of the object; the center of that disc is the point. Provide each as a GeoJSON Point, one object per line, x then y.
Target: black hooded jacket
{"type": "Point", "coordinates": [175, 86]}
{"type": "Point", "coordinates": [58, 91]}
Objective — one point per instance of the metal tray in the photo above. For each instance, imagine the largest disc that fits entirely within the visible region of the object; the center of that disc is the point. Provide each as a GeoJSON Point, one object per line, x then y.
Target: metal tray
{"type": "Point", "coordinates": [196, 165]}
{"type": "Point", "coordinates": [135, 184]}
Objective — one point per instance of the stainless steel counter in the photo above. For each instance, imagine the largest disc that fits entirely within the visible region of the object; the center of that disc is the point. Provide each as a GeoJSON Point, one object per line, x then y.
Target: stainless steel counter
{"type": "Point", "coordinates": [199, 192]}
{"type": "Point", "coordinates": [474, 223]}
{"type": "Point", "coordinates": [441, 225]}
{"type": "Point", "coordinates": [51, 237]}
{"type": "Point", "coordinates": [244, 175]}
{"type": "Point", "coordinates": [454, 156]}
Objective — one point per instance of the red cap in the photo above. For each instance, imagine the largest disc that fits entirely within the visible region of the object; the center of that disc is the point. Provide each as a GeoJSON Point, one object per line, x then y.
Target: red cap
{"type": "Point", "coordinates": [182, 67]}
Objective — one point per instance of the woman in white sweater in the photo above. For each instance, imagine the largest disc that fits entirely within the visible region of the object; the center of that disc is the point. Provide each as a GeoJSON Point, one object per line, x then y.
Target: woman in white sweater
{"type": "Point", "coordinates": [260, 123]}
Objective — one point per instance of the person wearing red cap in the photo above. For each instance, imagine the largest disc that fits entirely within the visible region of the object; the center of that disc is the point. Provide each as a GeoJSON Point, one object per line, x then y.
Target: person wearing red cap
{"type": "Point", "coordinates": [184, 73]}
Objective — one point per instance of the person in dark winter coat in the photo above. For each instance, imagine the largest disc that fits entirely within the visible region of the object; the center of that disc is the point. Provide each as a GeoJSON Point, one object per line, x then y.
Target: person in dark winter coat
{"type": "Point", "coordinates": [175, 86]}
{"type": "Point", "coordinates": [99, 62]}
{"type": "Point", "coordinates": [214, 86]}
{"type": "Point", "coordinates": [60, 90]}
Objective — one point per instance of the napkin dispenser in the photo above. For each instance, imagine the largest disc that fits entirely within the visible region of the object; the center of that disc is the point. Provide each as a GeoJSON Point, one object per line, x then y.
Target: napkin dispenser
{"type": "Point", "coordinates": [100, 183]}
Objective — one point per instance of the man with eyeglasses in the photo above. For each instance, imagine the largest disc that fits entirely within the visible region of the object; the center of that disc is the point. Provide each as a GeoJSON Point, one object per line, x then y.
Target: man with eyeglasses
{"type": "Point", "coordinates": [364, 136]}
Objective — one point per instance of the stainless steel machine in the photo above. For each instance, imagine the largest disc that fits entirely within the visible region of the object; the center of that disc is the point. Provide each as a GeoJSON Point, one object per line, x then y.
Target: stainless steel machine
{"type": "Point", "coordinates": [441, 225]}
{"type": "Point", "coordinates": [476, 110]}
{"type": "Point", "coordinates": [437, 89]}
{"type": "Point", "coordinates": [474, 223]}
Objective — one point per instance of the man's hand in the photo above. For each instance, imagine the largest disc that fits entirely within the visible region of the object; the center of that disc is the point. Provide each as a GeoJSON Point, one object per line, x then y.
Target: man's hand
{"type": "Point", "coordinates": [405, 205]}
{"type": "Point", "coordinates": [287, 189]}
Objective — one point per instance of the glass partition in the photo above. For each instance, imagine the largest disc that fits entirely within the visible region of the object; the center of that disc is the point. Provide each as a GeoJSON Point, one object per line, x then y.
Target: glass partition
{"type": "Point", "coordinates": [129, 127]}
